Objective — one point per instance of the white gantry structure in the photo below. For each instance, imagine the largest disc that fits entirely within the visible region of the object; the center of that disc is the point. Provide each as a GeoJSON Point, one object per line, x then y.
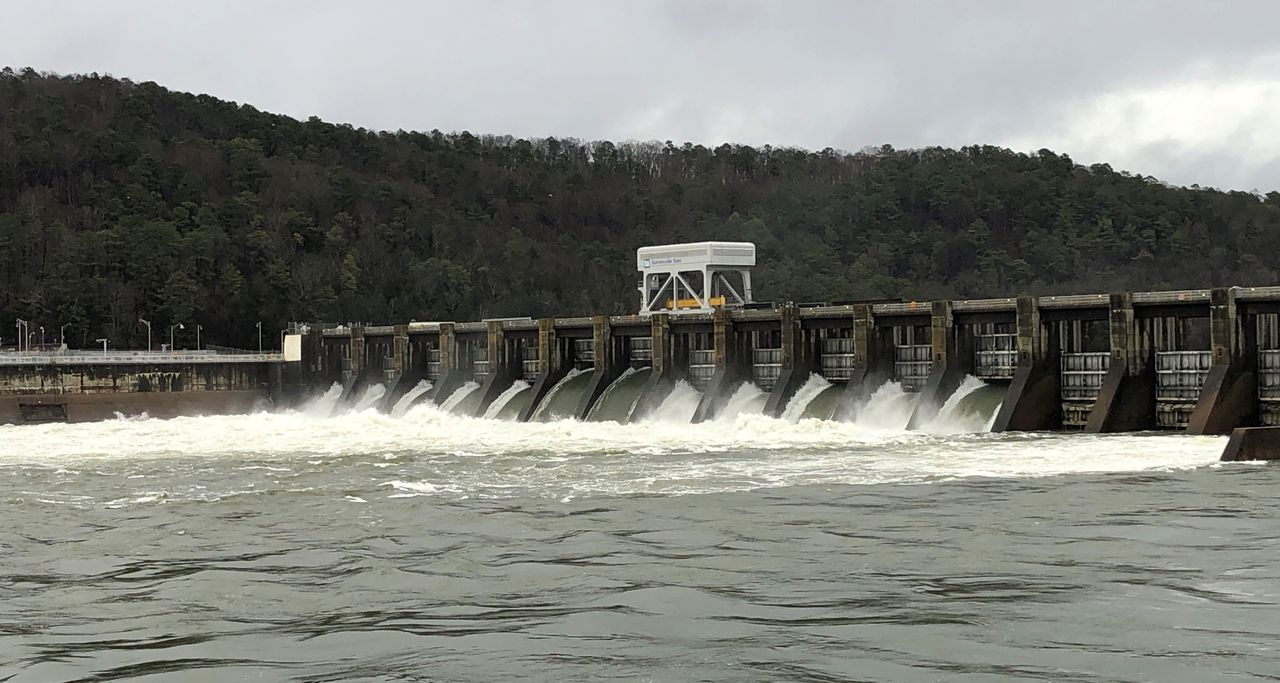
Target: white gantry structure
{"type": "Point", "coordinates": [697, 277]}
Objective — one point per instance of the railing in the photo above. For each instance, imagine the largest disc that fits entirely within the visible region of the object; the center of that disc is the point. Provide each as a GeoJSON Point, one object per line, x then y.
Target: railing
{"type": "Point", "coordinates": [1179, 378]}
{"type": "Point", "coordinates": [1082, 375]}
{"type": "Point", "coordinates": [1269, 387]}
{"type": "Point", "coordinates": [702, 367]}
{"type": "Point", "coordinates": [641, 349]}
{"type": "Point", "coordinates": [836, 360]}
{"type": "Point", "coordinates": [86, 357]}
{"type": "Point", "coordinates": [433, 364]}
{"type": "Point", "coordinates": [766, 367]}
{"type": "Point", "coordinates": [996, 356]}
{"type": "Point", "coordinates": [530, 365]}
{"type": "Point", "coordinates": [912, 365]}
{"type": "Point", "coordinates": [1269, 375]}
{"type": "Point", "coordinates": [1080, 380]}
{"type": "Point", "coordinates": [480, 366]}
{"type": "Point", "coordinates": [584, 353]}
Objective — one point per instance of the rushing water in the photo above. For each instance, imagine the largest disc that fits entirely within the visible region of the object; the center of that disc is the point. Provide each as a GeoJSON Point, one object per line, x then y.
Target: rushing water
{"type": "Point", "coordinates": [410, 397]}
{"type": "Point", "coordinates": [371, 397]}
{"type": "Point", "coordinates": [804, 396]}
{"type": "Point", "coordinates": [618, 402]}
{"type": "Point", "coordinates": [562, 401]}
{"type": "Point", "coordinates": [500, 403]}
{"type": "Point", "coordinates": [434, 546]}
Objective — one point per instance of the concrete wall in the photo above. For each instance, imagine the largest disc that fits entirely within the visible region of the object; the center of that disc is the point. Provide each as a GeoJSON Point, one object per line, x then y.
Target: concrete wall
{"type": "Point", "coordinates": [80, 393]}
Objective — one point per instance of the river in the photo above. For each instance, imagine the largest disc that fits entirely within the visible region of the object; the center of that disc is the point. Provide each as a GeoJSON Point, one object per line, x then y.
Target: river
{"type": "Point", "coordinates": [430, 546]}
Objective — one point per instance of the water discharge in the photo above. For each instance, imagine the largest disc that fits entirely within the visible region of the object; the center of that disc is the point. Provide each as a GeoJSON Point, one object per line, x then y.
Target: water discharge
{"type": "Point", "coordinates": [679, 405]}
{"type": "Point", "coordinates": [322, 406]}
{"type": "Point", "coordinates": [495, 408]}
{"type": "Point", "coordinates": [402, 406]}
{"type": "Point", "coordinates": [562, 401]}
{"type": "Point", "coordinates": [618, 401]}
{"type": "Point", "coordinates": [970, 408]}
{"type": "Point", "coordinates": [453, 404]}
{"type": "Point", "coordinates": [370, 397]}
{"type": "Point", "coordinates": [888, 408]}
{"type": "Point", "coordinates": [747, 399]}
{"type": "Point", "coordinates": [799, 403]}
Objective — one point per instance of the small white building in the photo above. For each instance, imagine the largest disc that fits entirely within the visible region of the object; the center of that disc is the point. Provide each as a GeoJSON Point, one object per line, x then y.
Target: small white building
{"type": "Point", "coordinates": [697, 277]}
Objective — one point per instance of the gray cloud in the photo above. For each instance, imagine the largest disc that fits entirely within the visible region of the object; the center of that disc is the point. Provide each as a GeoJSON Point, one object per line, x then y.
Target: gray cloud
{"type": "Point", "coordinates": [1181, 90]}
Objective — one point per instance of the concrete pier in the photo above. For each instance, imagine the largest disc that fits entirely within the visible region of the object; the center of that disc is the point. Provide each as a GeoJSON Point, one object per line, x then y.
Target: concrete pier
{"type": "Point", "coordinates": [1229, 396]}
{"type": "Point", "coordinates": [1127, 400]}
{"type": "Point", "coordinates": [729, 372]}
{"type": "Point", "coordinates": [553, 364]}
{"type": "Point", "coordinates": [1032, 401]}
{"type": "Point", "coordinates": [952, 361]}
{"type": "Point", "coordinates": [799, 360]}
{"type": "Point", "coordinates": [665, 370]}
{"type": "Point", "coordinates": [873, 358]}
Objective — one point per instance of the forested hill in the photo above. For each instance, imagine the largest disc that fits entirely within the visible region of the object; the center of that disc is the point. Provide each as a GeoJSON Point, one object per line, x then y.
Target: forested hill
{"type": "Point", "coordinates": [121, 199]}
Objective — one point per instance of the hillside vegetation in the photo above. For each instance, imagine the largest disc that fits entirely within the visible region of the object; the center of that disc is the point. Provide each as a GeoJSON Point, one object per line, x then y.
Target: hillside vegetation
{"type": "Point", "coordinates": [121, 199]}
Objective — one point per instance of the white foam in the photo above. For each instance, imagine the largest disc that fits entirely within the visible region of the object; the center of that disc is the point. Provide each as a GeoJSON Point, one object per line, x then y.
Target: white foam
{"type": "Point", "coordinates": [436, 453]}
{"type": "Point", "coordinates": [371, 396]}
{"type": "Point", "coordinates": [747, 399]}
{"type": "Point", "coordinates": [402, 406]}
{"type": "Point", "coordinates": [679, 405]}
{"type": "Point", "coordinates": [545, 405]}
{"type": "Point", "coordinates": [815, 385]}
{"type": "Point", "coordinates": [322, 406]}
{"type": "Point", "coordinates": [888, 408]}
{"type": "Point", "coordinates": [951, 419]}
{"type": "Point", "coordinates": [458, 396]}
{"type": "Point", "coordinates": [504, 398]}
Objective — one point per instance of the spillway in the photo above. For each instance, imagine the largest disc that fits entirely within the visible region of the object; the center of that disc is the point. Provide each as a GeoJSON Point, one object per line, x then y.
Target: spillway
{"type": "Point", "coordinates": [678, 406]}
{"type": "Point", "coordinates": [747, 399]}
{"type": "Point", "coordinates": [562, 401]}
{"type": "Point", "coordinates": [370, 397]}
{"type": "Point", "coordinates": [500, 403]}
{"type": "Point", "coordinates": [323, 405]}
{"type": "Point", "coordinates": [618, 401]}
{"type": "Point", "coordinates": [889, 408]}
{"type": "Point", "coordinates": [402, 406]}
{"type": "Point", "coordinates": [797, 407]}
{"type": "Point", "coordinates": [456, 402]}
{"type": "Point", "coordinates": [970, 408]}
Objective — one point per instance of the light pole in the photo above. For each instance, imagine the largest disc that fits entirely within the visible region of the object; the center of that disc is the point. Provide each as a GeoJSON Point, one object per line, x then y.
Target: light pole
{"type": "Point", "coordinates": [259, 336]}
{"type": "Point", "coordinates": [198, 328]}
{"type": "Point", "coordinates": [179, 326]}
{"type": "Point", "coordinates": [103, 341]}
{"type": "Point", "coordinates": [42, 335]}
{"type": "Point", "coordinates": [62, 334]}
{"type": "Point", "coordinates": [144, 322]}
{"type": "Point", "coordinates": [22, 332]}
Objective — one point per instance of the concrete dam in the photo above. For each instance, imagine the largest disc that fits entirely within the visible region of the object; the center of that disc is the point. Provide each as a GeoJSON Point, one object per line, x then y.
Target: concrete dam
{"type": "Point", "coordinates": [1200, 361]}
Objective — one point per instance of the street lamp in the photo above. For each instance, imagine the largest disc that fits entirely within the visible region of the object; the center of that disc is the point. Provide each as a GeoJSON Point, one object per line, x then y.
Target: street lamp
{"type": "Point", "coordinates": [42, 335]}
{"type": "Point", "coordinates": [198, 328]}
{"type": "Point", "coordinates": [103, 341]}
{"type": "Point", "coordinates": [144, 322]}
{"type": "Point", "coordinates": [22, 332]}
{"type": "Point", "coordinates": [177, 325]}
{"type": "Point", "coordinates": [62, 334]}
{"type": "Point", "coordinates": [259, 336]}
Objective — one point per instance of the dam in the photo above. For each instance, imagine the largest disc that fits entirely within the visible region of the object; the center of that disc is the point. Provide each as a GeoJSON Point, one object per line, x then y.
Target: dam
{"type": "Point", "coordinates": [1196, 361]}
{"type": "Point", "coordinates": [701, 349]}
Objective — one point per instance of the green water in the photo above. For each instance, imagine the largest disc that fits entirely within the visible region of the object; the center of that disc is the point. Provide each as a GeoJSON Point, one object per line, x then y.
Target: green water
{"type": "Point", "coordinates": [619, 400]}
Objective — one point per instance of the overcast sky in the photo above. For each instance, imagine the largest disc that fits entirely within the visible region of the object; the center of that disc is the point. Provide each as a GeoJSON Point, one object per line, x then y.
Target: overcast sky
{"type": "Point", "coordinates": [1187, 91]}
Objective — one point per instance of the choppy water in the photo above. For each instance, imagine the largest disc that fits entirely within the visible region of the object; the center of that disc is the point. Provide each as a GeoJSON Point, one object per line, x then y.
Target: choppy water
{"type": "Point", "coordinates": [438, 547]}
